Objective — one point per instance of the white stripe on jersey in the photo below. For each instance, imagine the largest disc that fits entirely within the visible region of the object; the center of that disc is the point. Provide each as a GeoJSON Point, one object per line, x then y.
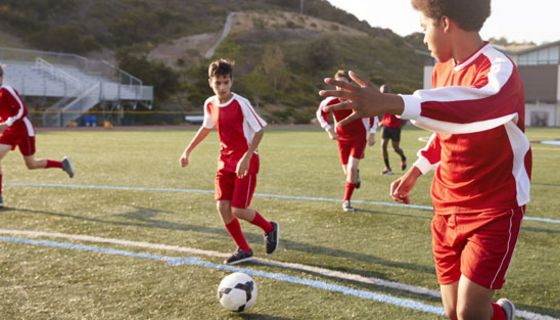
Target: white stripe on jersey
{"type": "Point", "coordinates": [520, 146]}
{"type": "Point", "coordinates": [18, 100]}
{"type": "Point", "coordinates": [29, 127]}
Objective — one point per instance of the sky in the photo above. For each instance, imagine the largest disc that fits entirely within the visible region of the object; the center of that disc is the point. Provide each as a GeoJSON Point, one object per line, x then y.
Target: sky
{"type": "Point", "coordinates": [516, 20]}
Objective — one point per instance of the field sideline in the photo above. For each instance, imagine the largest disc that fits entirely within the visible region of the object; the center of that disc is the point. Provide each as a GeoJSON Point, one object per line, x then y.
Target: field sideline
{"type": "Point", "coordinates": [48, 276]}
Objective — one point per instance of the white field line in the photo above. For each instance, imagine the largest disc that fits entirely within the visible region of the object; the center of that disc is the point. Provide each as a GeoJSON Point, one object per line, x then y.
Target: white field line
{"type": "Point", "coordinates": [260, 195]}
{"type": "Point", "coordinates": [279, 264]}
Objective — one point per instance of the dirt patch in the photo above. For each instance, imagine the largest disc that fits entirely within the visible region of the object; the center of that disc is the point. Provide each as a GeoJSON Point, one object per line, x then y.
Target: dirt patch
{"type": "Point", "coordinates": [184, 49]}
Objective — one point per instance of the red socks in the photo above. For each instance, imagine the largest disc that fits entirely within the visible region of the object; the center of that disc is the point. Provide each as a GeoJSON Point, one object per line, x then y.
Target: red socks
{"type": "Point", "coordinates": [53, 164]}
{"type": "Point", "coordinates": [499, 313]}
{"type": "Point", "coordinates": [234, 230]}
{"type": "Point", "coordinates": [262, 223]}
{"type": "Point", "coordinates": [349, 190]}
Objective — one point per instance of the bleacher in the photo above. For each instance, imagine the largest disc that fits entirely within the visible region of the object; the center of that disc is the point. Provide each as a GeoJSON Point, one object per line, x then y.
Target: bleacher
{"type": "Point", "coordinates": [80, 83]}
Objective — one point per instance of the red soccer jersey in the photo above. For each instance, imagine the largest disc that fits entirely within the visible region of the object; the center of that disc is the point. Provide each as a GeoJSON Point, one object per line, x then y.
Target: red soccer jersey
{"type": "Point", "coordinates": [355, 130]}
{"type": "Point", "coordinates": [13, 112]}
{"type": "Point", "coordinates": [236, 122]}
{"type": "Point", "coordinates": [391, 121]}
{"type": "Point", "coordinates": [477, 111]}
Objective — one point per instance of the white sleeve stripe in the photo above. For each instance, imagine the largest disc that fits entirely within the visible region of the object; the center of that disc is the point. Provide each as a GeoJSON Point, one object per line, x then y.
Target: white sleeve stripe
{"type": "Point", "coordinates": [251, 117]}
{"type": "Point", "coordinates": [457, 128]}
{"type": "Point", "coordinates": [324, 124]}
{"type": "Point", "coordinates": [500, 72]}
{"type": "Point", "coordinates": [21, 108]}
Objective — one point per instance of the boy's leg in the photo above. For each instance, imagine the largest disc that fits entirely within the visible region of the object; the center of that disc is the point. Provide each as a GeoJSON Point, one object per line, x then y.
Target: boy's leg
{"type": "Point", "coordinates": [396, 146]}
{"type": "Point", "coordinates": [4, 149]}
{"type": "Point", "coordinates": [449, 299]}
{"type": "Point", "coordinates": [242, 196]}
{"type": "Point", "coordinates": [475, 302]}
{"type": "Point", "coordinates": [385, 154]}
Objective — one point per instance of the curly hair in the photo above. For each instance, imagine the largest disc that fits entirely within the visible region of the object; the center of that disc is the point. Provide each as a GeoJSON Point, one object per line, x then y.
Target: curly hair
{"type": "Point", "coordinates": [468, 14]}
{"type": "Point", "coordinates": [221, 67]}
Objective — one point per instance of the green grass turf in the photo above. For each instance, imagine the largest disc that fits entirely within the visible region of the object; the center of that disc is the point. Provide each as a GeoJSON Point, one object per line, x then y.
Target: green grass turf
{"type": "Point", "coordinates": [378, 241]}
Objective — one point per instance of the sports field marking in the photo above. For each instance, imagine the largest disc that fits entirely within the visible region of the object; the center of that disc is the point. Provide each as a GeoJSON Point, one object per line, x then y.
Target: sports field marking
{"type": "Point", "coordinates": [260, 195]}
{"type": "Point", "coordinates": [195, 261]}
{"type": "Point", "coordinates": [286, 265]}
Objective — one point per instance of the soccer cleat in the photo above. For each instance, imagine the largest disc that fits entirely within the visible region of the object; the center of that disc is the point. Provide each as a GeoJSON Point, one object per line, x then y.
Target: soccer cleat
{"type": "Point", "coordinates": [387, 172]}
{"type": "Point", "coordinates": [403, 164]}
{"type": "Point", "coordinates": [67, 166]}
{"type": "Point", "coordinates": [508, 307]}
{"type": "Point", "coordinates": [239, 256]}
{"type": "Point", "coordinates": [1, 201]}
{"type": "Point", "coordinates": [271, 239]}
{"type": "Point", "coordinates": [347, 206]}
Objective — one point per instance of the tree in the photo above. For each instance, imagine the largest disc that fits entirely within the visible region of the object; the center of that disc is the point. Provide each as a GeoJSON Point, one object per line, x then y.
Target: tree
{"type": "Point", "coordinates": [274, 64]}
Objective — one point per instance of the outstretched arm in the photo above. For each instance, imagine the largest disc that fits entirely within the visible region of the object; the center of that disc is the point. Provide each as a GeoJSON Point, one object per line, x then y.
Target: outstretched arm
{"type": "Point", "coordinates": [200, 135]}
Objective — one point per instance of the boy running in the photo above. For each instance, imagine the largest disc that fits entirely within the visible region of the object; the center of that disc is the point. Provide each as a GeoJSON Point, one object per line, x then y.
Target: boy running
{"type": "Point", "coordinates": [240, 130]}
{"type": "Point", "coordinates": [351, 140]}
{"type": "Point", "coordinates": [17, 130]}
{"type": "Point", "coordinates": [391, 130]}
{"type": "Point", "coordinates": [480, 154]}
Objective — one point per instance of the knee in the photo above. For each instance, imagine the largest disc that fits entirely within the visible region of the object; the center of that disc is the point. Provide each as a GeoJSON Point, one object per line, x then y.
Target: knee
{"type": "Point", "coordinates": [236, 211]}
{"type": "Point", "coordinates": [30, 165]}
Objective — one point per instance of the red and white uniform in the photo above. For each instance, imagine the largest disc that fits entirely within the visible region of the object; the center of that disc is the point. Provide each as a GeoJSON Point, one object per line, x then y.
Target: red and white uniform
{"type": "Point", "coordinates": [13, 112]}
{"type": "Point", "coordinates": [482, 160]}
{"type": "Point", "coordinates": [352, 138]}
{"type": "Point", "coordinates": [477, 111]}
{"type": "Point", "coordinates": [391, 121]}
{"type": "Point", "coordinates": [236, 122]}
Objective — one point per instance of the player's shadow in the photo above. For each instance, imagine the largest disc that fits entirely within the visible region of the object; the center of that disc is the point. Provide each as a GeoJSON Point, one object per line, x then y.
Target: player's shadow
{"type": "Point", "coordinates": [256, 316]}
{"type": "Point", "coordinates": [145, 218]}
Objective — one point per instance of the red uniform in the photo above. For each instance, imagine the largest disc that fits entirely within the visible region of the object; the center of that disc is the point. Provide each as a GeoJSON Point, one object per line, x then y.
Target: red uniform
{"type": "Point", "coordinates": [13, 112]}
{"type": "Point", "coordinates": [482, 160]}
{"type": "Point", "coordinates": [391, 121]}
{"type": "Point", "coordinates": [236, 122]}
{"type": "Point", "coordinates": [352, 138]}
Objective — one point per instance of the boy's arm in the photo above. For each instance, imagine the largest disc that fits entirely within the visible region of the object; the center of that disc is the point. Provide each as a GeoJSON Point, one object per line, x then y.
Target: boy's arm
{"type": "Point", "coordinates": [490, 102]}
{"type": "Point", "coordinates": [200, 135]}
{"type": "Point", "coordinates": [373, 127]}
{"type": "Point", "coordinates": [323, 119]}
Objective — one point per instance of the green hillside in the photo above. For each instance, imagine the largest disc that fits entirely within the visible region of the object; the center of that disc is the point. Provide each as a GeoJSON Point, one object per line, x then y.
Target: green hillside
{"type": "Point", "coordinates": [279, 67]}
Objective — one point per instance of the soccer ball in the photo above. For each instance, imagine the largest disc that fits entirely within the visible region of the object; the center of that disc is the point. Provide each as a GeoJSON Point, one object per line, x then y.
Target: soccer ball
{"type": "Point", "coordinates": [237, 292]}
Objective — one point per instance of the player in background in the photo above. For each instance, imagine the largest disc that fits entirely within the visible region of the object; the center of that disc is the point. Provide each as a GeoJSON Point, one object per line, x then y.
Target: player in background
{"type": "Point", "coordinates": [391, 130]}
{"type": "Point", "coordinates": [480, 154]}
{"type": "Point", "coordinates": [16, 130]}
{"type": "Point", "coordinates": [240, 131]}
{"type": "Point", "coordinates": [351, 140]}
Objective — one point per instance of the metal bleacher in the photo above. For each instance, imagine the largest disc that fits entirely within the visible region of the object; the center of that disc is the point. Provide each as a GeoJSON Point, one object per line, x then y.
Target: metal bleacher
{"type": "Point", "coordinates": [79, 83]}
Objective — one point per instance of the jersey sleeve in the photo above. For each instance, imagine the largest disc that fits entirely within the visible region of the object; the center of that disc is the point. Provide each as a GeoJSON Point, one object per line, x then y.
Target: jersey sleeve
{"type": "Point", "coordinates": [250, 115]}
{"type": "Point", "coordinates": [14, 102]}
{"type": "Point", "coordinates": [491, 100]}
{"type": "Point", "coordinates": [208, 122]}
{"type": "Point", "coordinates": [429, 157]}
{"type": "Point", "coordinates": [322, 115]}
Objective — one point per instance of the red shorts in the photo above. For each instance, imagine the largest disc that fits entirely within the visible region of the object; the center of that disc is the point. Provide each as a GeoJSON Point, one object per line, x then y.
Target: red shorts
{"type": "Point", "coordinates": [354, 148]}
{"type": "Point", "coordinates": [478, 246]}
{"type": "Point", "coordinates": [228, 186]}
{"type": "Point", "coordinates": [25, 142]}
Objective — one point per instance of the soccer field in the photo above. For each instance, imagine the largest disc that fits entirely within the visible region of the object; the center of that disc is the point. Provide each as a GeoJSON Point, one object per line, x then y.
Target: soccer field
{"type": "Point", "coordinates": [134, 236]}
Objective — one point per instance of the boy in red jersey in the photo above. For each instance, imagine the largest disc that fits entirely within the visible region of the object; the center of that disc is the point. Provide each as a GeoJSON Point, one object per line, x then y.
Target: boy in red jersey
{"type": "Point", "coordinates": [391, 130]}
{"type": "Point", "coordinates": [481, 156]}
{"type": "Point", "coordinates": [240, 131]}
{"type": "Point", "coordinates": [351, 140]}
{"type": "Point", "coordinates": [17, 130]}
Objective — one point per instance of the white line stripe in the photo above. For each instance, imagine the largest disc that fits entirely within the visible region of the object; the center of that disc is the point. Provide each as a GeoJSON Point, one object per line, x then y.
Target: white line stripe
{"type": "Point", "coordinates": [288, 265]}
{"type": "Point", "coordinates": [260, 195]}
{"type": "Point", "coordinates": [507, 249]}
{"type": "Point", "coordinates": [194, 261]}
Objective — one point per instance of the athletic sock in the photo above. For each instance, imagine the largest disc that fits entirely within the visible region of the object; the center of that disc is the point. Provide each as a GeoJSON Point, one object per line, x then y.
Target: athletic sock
{"type": "Point", "coordinates": [262, 223]}
{"type": "Point", "coordinates": [499, 313]}
{"type": "Point", "coordinates": [234, 230]}
{"type": "Point", "coordinates": [349, 189]}
{"type": "Point", "coordinates": [387, 163]}
{"type": "Point", "coordinates": [53, 164]}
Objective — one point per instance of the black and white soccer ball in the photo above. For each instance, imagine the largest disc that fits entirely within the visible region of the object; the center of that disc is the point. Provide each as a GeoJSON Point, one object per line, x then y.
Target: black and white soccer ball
{"type": "Point", "coordinates": [237, 292]}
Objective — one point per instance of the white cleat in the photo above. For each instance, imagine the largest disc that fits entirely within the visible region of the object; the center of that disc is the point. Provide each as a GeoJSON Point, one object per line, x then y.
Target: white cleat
{"type": "Point", "coordinates": [508, 307]}
{"type": "Point", "coordinates": [347, 207]}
